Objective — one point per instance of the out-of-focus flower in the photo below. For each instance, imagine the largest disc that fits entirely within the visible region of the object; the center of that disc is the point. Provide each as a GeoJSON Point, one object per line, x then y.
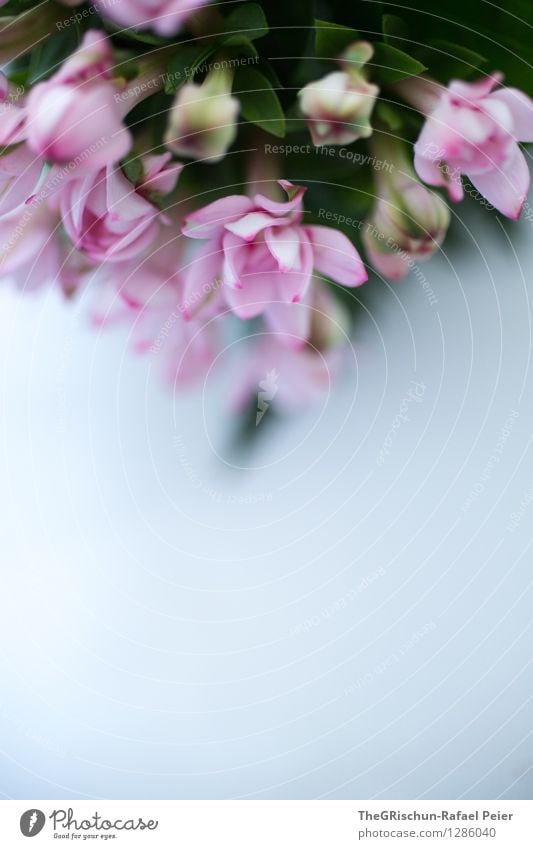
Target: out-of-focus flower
{"type": "Point", "coordinates": [203, 118]}
{"type": "Point", "coordinates": [20, 171]}
{"type": "Point", "coordinates": [29, 250]}
{"type": "Point", "coordinates": [146, 294]}
{"type": "Point", "coordinates": [260, 258]}
{"type": "Point", "coordinates": [338, 106]}
{"type": "Point", "coordinates": [159, 175]}
{"type": "Point", "coordinates": [75, 115]}
{"type": "Point", "coordinates": [164, 17]}
{"type": "Point", "coordinates": [107, 218]}
{"type": "Point", "coordinates": [473, 129]}
{"type": "Point", "coordinates": [300, 378]}
{"type": "Point", "coordinates": [408, 223]}
{"type": "Point", "coordinates": [13, 116]}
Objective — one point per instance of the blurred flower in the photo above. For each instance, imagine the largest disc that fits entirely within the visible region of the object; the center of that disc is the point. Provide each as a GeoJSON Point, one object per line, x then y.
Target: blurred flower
{"type": "Point", "coordinates": [146, 294]}
{"type": "Point", "coordinates": [107, 218]}
{"type": "Point", "coordinates": [13, 116]}
{"type": "Point", "coordinates": [20, 172]}
{"type": "Point", "coordinates": [29, 251]}
{"type": "Point", "coordinates": [263, 257]}
{"type": "Point", "coordinates": [303, 377]}
{"type": "Point", "coordinates": [408, 223]}
{"type": "Point", "coordinates": [75, 116]}
{"type": "Point", "coordinates": [165, 17]}
{"type": "Point", "coordinates": [473, 129]}
{"type": "Point", "coordinates": [203, 118]}
{"type": "Point", "coordinates": [338, 106]}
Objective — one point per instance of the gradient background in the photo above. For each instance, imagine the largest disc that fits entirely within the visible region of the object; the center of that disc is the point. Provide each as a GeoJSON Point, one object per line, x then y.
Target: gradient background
{"type": "Point", "coordinates": [297, 620]}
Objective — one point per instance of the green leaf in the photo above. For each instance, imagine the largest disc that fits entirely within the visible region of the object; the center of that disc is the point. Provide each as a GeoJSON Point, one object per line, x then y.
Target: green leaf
{"type": "Point", "coordinates": [184, 64]}
{"type": "Point", "coordinates": [389, 114]}
{"type": "Point", "coordinates": [394, 29]}
{"type": "Point", "coordinates": [247, 20]}
{"type": "Point", "coordinates": [332, 39]}
{"type": "Point", "coordinates": [390, 64]}
{"type": "Point", "coordinates": [259, 102]}
{"type": "Point", "coordinates": [132, 169]}
{"type": "Point", "coordinates": [454, 60]}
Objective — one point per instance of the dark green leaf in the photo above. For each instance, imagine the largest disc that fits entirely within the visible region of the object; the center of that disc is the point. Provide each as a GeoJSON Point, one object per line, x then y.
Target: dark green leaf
{"type": "Point", "coordinates": [259, 102]}
{"type": "Point", "coordinates": [184, 64]}
{"type": "Point", "coordinates": [389, 114]}
{"type": "Point", "coordinates": [453, 60]}
{"type": "Point", "coordinates": [394, 30]}
{"type": "Point", "coordinates": [248, 20]}
{"type": "Point", "coordinates": [332, 39]}
{"type": "Point", "coordinates": [132, 169]}
{"type": "Point", "coordinates": [389, 64]}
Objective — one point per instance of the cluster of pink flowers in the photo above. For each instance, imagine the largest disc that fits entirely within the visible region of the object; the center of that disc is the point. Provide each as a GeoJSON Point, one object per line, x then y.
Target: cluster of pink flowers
{"type": "Point", "coordinates": [71, 214]}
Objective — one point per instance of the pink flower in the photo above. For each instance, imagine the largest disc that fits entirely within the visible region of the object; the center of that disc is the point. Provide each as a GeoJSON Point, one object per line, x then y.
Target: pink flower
{"type": "Point", "coordinates": [165, 17]}
{"type": "Point", "coordinates": [264, 257]}
{"type": "Point", "coordinates": [288, 381]}
{"type": "Point", "coordinates": [13, 116]}
{"type": "Point", "coordinates": [147, 296]}
{"type": "Point", "coordinates": [75, 114]}
{"type": "Point", "coordinates": [473, 129]}
{"type": "Point", "coordinates": [108, 218]}
{"type": "Point", "coordinates": [20, 171]}
{"type": "Point", "coordinates": [29, 251]}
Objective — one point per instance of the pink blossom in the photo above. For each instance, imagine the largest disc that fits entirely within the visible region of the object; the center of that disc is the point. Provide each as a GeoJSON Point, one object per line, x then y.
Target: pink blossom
{"type": "Point", "coordinates": [75, 115]}
{"type": "Point", "coordinates": [264, 257]}
{"type": "Point", "coordinates": [29, 250]}
{"type": "Point", "coordinates": [165, 17]}
{"type": "Point", "coordinates": [473, 129]}
{"type": "Point", "coordinates": [20, 171]}
{"type": "Point", "coordinates": [287, 380]}
{"type": "Point", "coordinates": [108, 218]}
{"type": "Point", "coordinates": [146, 295]}
{"type": "Point", "coordinates": [13, 116]}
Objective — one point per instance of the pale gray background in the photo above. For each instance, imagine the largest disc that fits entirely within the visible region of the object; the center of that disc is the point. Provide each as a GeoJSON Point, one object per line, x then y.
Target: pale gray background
{"type": "Point", "coordinates": [174, 627]}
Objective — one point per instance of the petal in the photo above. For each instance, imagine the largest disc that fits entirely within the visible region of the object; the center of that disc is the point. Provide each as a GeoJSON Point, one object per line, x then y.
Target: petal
{"type": "Point", "coordinates": [521, 108]}
{"type": "Point", "coordinates": [211, 219]}
{"type": "Point", "coordinates": [476, 90]}
{"type": "Point", "coordinates": [256, 294]}
{"type": "Point", "coordinates": [282, 207]}
{"type": "Point", "coordinates": [505, 188]}
{"type": "Point", "coordinates": [284, 245]}
{"type": "Point", "coordinates": [293, 284]}
{"type": "Point", "coordinates": [291, 321]}
{"type": "Point", "coordinates": [436, 173]}
{"type": "Point", "coordinates": [201, 278]}
{"type": "Point", "coordinates": [248, 226]}
{"type": "Point", "coordinates": [236, 252]}
{"type": "Point", "coordinates": [336, 257]}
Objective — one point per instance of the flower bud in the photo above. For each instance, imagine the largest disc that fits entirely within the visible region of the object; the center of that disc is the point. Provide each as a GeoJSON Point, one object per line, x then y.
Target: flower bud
{"type": "Point", "coordinates": [338, 106]}
{"type": "Point", "coordinates": [202, 121]}
{"type": "Point", "coordinates": [408, 224]}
